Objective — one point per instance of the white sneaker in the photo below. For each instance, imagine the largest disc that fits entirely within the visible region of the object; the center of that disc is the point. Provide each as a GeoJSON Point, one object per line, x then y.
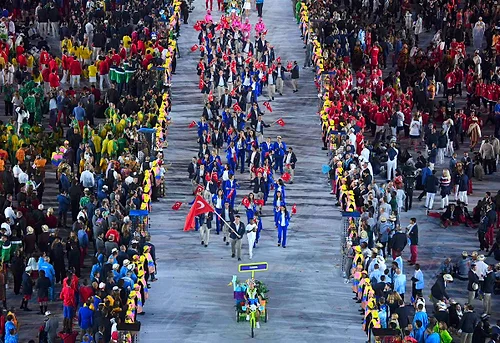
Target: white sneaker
{"type": "Point", "coordinates": [248, 317]}
{"type": "Point", "coordinates": [257, 325]}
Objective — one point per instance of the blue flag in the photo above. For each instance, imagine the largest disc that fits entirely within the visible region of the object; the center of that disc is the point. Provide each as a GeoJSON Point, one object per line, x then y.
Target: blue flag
{"type": "Point", "coordinates": [325, 169]}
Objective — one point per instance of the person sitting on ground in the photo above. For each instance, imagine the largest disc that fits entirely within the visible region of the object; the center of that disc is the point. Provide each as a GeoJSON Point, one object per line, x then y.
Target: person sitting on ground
{"type": "Point", "coordinates": [462, 267]}
{"type": "Point", "coordinates": [449, 216]}
{"type": "Point", "coordinates": [495, 249]}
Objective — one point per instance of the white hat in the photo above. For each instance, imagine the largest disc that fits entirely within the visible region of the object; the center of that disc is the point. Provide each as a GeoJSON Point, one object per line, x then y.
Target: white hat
{"type": "Point", "coordinates": [102, 285]}
{"type": "Point", "coordinates": [383, 219]}
{"type": "Point", "coordinates": [130, 266]}
{"type": "Point", "coordinates": [40, 207]}
{"type": "Point", "coordinates": [116, 266]}
{"type": "Point", "coordinates": [45, 228]}
{"type": "Point", "coordinates": [126, 262]}
{"type": "Point", "coordinates": [481, 258]}
{"type": "Point", "coordinates": [114, 250]}
{"type": "Point", "coordinates": [105, 187]}
{"type": "Point", "coordinates": [28, 269]}
{"type": "Point", "coordinates": [115, 288]}
{"type": "Point", "coordinates": [441, 305]}
{"type": "Point", "coordinates": [47, 313]}
{"type": "Point", "coordinates": [448, 277]}
{"type": "Point", "coordinates": [126, 219]}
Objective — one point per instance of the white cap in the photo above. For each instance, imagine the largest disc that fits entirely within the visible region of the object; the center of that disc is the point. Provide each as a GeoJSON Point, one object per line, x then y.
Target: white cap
{"type": "Point", "coordinates": [102, 285]}
{"type": "Point", "coordinates": [114, 250]}
{"type": "Point", "coordinates": [126, 262]}
{"type": "Point", "coordinates": [40, 207]}
{"type": "Point", "coordinates": [48, 313]}
{"type": "Point", "coordinates": [116, 288]}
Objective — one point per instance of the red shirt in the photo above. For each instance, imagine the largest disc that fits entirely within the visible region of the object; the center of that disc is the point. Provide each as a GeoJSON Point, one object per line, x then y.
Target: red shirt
{"type": "Point", "coordinates": [116, 59]}
{"type": "Point", "coordinates": [68, 296]}
{"type": "Point", "coordinates": [380, 119]}
{"type": "Point", "coordinates": [85, 293]}
{"type": "Point", "coordinates": [103, 68]}
{"type": "Point", "coordinates": [46, 76]}
{"type": "Point", "coordinates": [53, 65]}
{"type": "Point", "coordinates": [44, 57]}
{"type": "Point", "coordinates": [450, 80]}
{"type": "Point", "coordinates": [374, 55]}
{"type": "Point", "coordinates": [66, 62]}
{"type": "Point", "coordinates": [75, 68]}
{"type": "Point", "coordinates": [54, 80]}
{"type": "Point", "coordinates": [115, 233]}
{"type": "Point", "coordinates": [21, 60]}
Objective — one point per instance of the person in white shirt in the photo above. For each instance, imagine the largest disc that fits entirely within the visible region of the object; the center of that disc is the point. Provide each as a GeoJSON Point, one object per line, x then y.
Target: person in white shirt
{"type": "Point", "coordinates": [23, 178]}
{"type": "Point", "coordinates": [5, 226]}
{"type": "Point", "coordinates": [87, 179]}
{"type": "Point", "coordinates": [9, 214]}
{"type": "Point", "coordinates": [251, 230]}
{"type": "Point", "coordinates": [481, 267]}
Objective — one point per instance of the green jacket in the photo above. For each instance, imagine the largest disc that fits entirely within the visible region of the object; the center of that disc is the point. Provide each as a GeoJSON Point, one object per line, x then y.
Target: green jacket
{"type": "Point", "coordinates": [6, 251]}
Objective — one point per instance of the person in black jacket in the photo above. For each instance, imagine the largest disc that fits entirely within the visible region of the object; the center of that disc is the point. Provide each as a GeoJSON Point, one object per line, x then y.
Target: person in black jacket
{"type": "Point", "coordinates": [412, 232]}
{"type": "Point", "coordinates": [438, 290]}
{"type": "Point", "coordinates": [398, 242]}
{"type": "Point", "coordinates": [237, 232]}
{"type": "Point", "coordinates": [469, 321]}
{"type": "Point", "coordinates": [431, 186]}
{"type": "Point", "coordinates": [27, 289]}
{"type": "Point", "coordinates": [295, 77]}
{"type": "Point", "coordinates": [473, 283]}
{"type": "Point", "coordinates": [488, 287]}
{"type": "Point", "coordinates": [42, 285]}
{"type": "Point", "coordinates": [290, 161]}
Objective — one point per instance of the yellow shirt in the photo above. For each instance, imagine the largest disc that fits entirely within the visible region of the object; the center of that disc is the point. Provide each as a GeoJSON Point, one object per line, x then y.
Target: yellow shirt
{"type": "Point", "coordinates": [126, 42]}
{"type": "Point", "coordinates": [86, 53]}
{"type": "Point", "coordinates": [30, 61]}
{"type": "Point", "coordinates": [38, 79]}
{"type": "Point", "coordinates": [68, 44]}
{"type": "Point", "coordinates": [79, 51]}
{"type": "Point", "coordinates": [92, 70]}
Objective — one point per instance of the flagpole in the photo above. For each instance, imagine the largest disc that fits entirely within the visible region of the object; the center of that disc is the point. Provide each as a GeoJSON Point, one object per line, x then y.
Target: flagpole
{"type": "Point", "coordinates": [225, 222]}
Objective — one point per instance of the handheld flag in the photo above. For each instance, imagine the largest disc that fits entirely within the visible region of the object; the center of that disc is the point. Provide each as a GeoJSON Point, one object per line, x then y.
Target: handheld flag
{"type": "Point", "coordinates": [199, 189]}
{"type": "Point", "coordinates": [259, 202]}
{"type": "Point", "coordinates": [245, 202]}
{"type": "Point", "coordinates": [230, 131]}
{"type": "Point", "coordinates": [192, 124]}
{"type": "Point", "coordinates": [294, 209]}
{"type": "Point", "coordinates": [289, 66]}
{"type": "Point", "coordinates": [286, 177]}
{"type": "Point", "coordinates": [210, 35]}
{"type": "Point", "coordinates": [233, 92]}
{"type": "Point", "coordinates": [237, 108]}
{"type": "Point", "coordinates": [268, 106]}
{"type": "Point", "coordinates": [176, 205]}
{"type": "Point", "coordinates": [210, 97]}
{"type": "Point", "coordinates": [200, 206]}
{"type": "Point", "coordinates": [280, 122]}
{"type": "Point", "coordinates": [209, 139]}
{"type": "Point", "coordinates": [325, 169]}
{"type": "Point", "coordinates": [194, 48]}
{"type": "Point", "coordinates": [208, 177]}
{"type": "Point", "coordinates": [231, 193]}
